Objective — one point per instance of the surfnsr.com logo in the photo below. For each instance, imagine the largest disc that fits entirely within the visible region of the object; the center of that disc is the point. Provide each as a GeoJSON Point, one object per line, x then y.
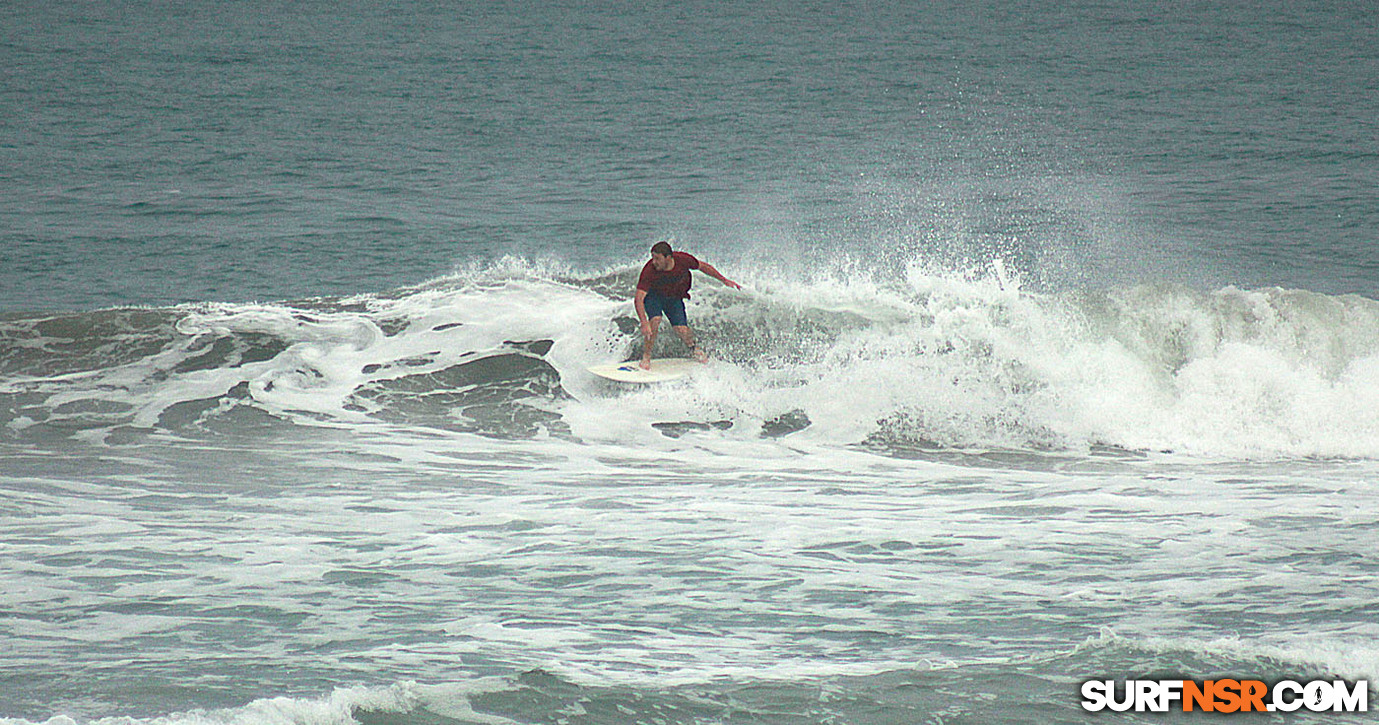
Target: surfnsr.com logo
{"type": "Point", "coordinates": [1227, 696]}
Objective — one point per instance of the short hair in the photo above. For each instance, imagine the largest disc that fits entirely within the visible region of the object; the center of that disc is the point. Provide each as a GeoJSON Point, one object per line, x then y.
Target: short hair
{"type": "Point", "coordinates": [661, 248]}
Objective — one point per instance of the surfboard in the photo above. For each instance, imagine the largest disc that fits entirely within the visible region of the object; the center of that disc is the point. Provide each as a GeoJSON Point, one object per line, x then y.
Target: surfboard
{"type": "Point", "coordinates": [662, 369]}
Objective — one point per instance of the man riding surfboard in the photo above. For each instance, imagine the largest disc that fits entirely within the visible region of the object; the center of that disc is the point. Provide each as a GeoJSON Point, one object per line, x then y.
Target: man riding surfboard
{"type": "Point", "coordinates": [662, 289]}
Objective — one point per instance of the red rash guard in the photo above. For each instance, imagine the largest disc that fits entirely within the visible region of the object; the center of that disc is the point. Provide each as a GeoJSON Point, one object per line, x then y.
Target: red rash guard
{"type": "Point", "coordinates": [674, 284]}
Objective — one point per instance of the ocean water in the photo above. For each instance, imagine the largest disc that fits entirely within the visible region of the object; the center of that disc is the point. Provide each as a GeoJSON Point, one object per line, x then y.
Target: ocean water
{"type": "Point", "coordinates": [1057, 359]}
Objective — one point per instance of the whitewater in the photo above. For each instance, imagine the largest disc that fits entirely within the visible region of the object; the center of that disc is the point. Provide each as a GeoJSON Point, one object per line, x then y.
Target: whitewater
{"type": "Point", "coordinates": [1057, 360]}
{"type": "Point", "coordinates": [935, 495]}
{"type": "Point", "coordinates": [939, 360]}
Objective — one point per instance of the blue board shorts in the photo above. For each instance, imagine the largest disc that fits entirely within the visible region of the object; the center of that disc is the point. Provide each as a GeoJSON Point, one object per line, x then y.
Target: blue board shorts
{"type": "Point", "coordinates": [672, 307]}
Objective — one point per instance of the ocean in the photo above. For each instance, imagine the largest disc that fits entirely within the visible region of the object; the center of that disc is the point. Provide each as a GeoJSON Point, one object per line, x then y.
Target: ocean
{"type": "Point", "coordinates": [1057, 359]}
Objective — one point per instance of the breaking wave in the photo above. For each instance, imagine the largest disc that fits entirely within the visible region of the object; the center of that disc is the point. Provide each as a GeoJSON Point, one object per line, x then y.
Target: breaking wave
{"type": "Point", "coordinates": [932, 362]}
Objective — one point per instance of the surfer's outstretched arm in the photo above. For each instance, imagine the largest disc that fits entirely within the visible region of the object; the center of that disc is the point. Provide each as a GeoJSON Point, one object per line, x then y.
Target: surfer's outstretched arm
{"type": "Point", "coordinates": [708, 269]}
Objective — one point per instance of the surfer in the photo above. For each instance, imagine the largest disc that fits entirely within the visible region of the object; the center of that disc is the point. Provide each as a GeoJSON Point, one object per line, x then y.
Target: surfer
{"type": "Point", "coordinates": [662, 290]}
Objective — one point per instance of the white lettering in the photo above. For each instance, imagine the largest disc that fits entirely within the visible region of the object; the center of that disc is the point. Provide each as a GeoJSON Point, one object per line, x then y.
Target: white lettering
{"type": "Point", "coordinates": [1287, 695]}
{"type": "Point", "coordinates": [1287, 704]}
{"type": "Point", "coordinates": [1129, 697]}
{"type": "Point", "coordinates": [1318, 695]}
{"type": "Point", "coordinates": [1094, 695]}
{"type": "Point", "coordinates": [1146, 695]}
{"type": "Point", "coordinates": [1172, 691]}
{"type": "Point", "coordinates": [1356, 700]}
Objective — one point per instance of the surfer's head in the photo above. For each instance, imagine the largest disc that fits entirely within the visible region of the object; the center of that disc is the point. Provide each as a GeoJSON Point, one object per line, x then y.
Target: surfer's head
{"type": "Point", "coordinates": [660, 256]}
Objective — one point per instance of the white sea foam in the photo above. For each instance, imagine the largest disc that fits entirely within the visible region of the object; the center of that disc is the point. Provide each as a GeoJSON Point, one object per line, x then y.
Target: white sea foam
{"type": "Point", "coordinates": [334, 709]}
{"type": "Point", "coordinates": [947, 361]}
{"type": "Point", "coordinates": [1349, 655]}
{"type": "Point", "coordinates": [960, 361]}
{"type": "Point", "coordinates": [965, 363]}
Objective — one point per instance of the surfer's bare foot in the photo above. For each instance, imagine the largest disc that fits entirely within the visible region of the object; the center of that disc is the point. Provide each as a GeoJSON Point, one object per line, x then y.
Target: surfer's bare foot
{"type": "Point", "coordinates": [699, 355]}
{"type": "Point", "coordinates": [645, 364]}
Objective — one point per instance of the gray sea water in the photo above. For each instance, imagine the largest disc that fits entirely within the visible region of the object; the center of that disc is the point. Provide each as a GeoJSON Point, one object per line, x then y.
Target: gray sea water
{"type": "Point", "coordinates": [1057, 359]}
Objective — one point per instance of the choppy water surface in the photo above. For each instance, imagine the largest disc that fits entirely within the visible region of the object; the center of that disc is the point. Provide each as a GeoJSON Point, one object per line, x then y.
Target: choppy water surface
{"type": "Point", "coordinates": [1058, 359]}
{"type": "Point", "coordinates": [909, 503]}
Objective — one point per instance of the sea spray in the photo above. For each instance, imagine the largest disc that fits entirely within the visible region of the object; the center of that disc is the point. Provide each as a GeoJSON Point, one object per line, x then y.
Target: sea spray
{"type": "Point", "coordinates": [939, 361]}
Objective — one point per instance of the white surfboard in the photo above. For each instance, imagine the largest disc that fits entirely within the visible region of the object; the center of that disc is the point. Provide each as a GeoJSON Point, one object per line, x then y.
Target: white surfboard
{"type": "Point", "coordinates": [662, 369]}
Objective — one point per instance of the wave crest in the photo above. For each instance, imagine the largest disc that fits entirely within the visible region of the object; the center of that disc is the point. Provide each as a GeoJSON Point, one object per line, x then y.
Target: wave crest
{"type": "Point", "coordinates": [928, 361]}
